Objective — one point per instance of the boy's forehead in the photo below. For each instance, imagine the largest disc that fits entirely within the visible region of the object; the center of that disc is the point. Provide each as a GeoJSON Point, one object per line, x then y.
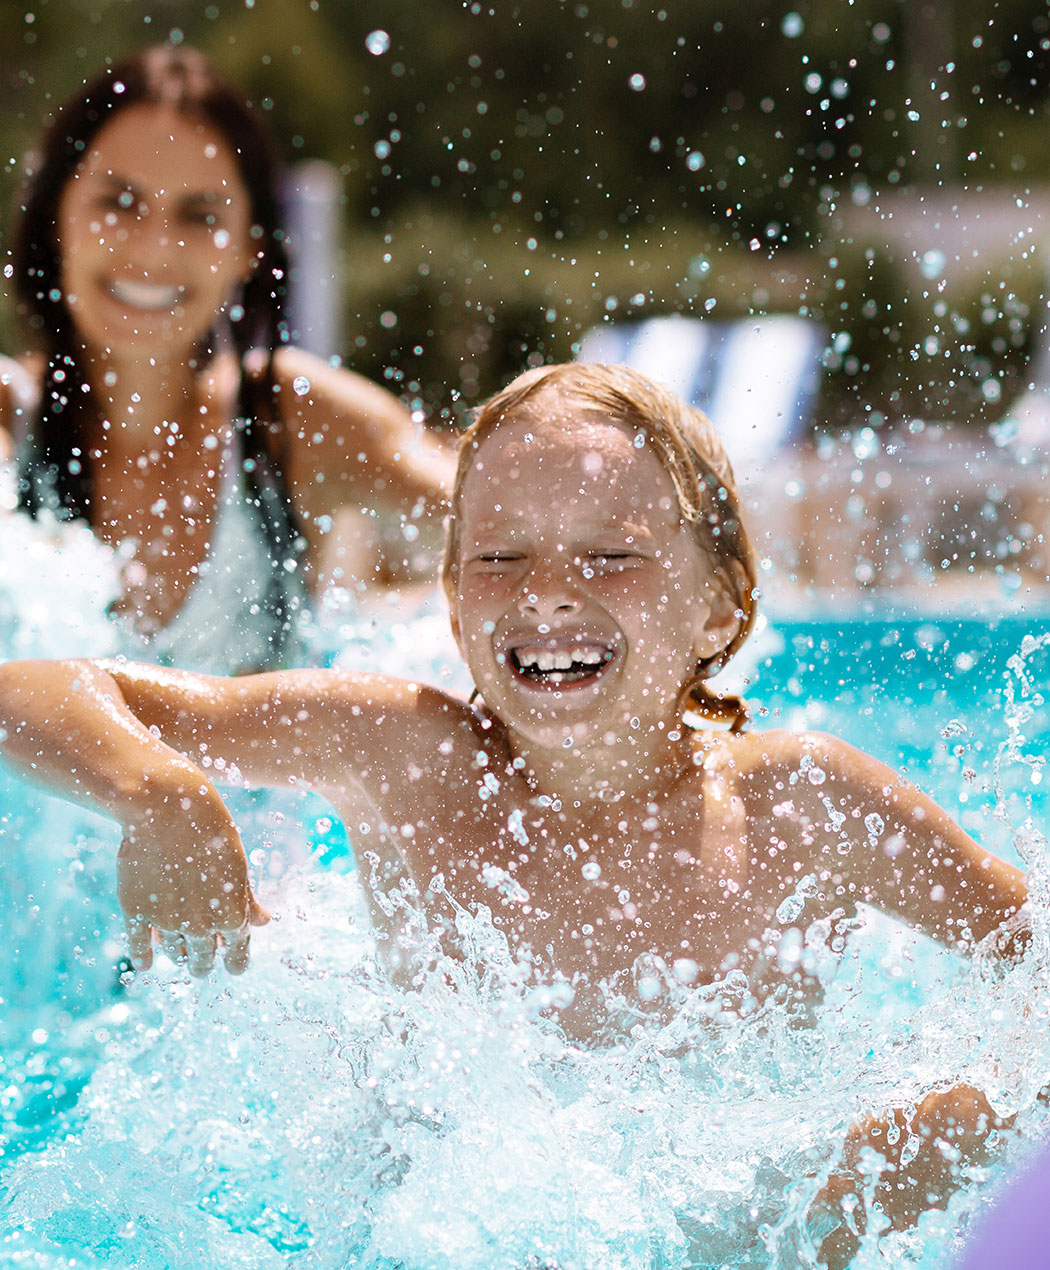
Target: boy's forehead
{"type": "Point", "coordinates": [585, 440]}
{"type": "Point", "coordinates": [593, 459]}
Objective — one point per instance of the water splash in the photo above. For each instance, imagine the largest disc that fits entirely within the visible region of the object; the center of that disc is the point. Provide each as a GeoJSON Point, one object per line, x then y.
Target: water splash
{"type": "Point", "coordinates": [314, 1115]}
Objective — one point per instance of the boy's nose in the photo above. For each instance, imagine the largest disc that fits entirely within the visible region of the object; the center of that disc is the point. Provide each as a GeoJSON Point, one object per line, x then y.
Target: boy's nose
{"type": "Point", "coordinates": [549, 593]}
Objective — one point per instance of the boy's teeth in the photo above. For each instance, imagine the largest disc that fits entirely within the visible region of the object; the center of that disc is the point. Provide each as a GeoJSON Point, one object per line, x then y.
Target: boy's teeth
{"type": "Point", "coordinates": [548, 659]}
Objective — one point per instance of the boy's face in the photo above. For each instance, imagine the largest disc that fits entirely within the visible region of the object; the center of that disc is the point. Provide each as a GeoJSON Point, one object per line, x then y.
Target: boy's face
{"type": "Point", "coordinates": [583, 600]}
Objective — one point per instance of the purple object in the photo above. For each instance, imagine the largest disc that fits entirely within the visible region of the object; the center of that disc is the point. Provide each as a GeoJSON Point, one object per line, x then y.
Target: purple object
{"type": "Point", "coordinates": [1015, 1235]}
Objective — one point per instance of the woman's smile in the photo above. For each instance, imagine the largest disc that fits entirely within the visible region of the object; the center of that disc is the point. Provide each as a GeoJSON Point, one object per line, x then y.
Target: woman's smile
{"type": "Point", "coordinates": [151, 296]}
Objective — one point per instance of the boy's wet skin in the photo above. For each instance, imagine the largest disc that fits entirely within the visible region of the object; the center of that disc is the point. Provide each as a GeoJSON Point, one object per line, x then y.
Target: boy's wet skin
{"type": "Point", "coordinates": [590, 598]}
{"type": "Point", "coordinates": [647, 837]}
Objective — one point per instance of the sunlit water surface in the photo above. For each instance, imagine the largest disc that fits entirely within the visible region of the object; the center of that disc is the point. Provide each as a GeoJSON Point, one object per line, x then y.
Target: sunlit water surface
{"type": "Point", "coordinates": [311, 1115]}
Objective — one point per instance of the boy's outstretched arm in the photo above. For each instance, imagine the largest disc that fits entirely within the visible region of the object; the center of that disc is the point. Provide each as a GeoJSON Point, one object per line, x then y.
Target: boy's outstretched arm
{"type": "Point", "coordinates": [181, 869]}
{"type": "Point", "coordinates": [127, 739]}
{"type": "Point", "coordinates": [890, 845]}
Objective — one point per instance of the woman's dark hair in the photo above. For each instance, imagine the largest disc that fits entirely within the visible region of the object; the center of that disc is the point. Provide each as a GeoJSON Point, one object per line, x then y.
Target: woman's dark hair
{"type": "Point", "coordinates": [56, 463]}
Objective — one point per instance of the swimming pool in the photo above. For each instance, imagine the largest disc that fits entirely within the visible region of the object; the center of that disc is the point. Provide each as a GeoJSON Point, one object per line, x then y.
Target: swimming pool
{"type": "Point", "coordinates": [310, 1115]}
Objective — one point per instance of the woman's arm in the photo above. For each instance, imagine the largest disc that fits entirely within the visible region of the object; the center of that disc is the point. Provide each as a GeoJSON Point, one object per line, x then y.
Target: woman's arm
{"type": "Point", "coordinates": [353, 446]}
{"type": "Point", "coordinates": [19, 392]}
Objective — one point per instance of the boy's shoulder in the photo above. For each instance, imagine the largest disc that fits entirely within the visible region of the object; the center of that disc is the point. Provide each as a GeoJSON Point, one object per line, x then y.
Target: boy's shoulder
{"type": "Point", "coordinates": [779, 753]}
{"type": "Point", "coordinates": [414, 714]}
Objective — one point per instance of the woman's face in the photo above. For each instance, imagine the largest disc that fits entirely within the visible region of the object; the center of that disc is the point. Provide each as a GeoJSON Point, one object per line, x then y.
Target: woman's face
{"type": "Point", "coordinates": [154, 234]}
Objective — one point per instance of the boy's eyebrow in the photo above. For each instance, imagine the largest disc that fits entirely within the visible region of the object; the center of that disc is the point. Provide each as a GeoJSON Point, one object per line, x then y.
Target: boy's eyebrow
{"type": "Point", "coordinates": [513, 529]}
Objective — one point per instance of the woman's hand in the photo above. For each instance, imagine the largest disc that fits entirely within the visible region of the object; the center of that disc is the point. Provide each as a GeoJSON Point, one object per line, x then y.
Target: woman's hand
{"type": "Point", "coordinates": [182, 873]}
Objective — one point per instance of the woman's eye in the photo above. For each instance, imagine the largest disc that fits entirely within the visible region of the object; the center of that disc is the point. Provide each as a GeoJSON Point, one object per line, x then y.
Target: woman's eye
{"type": "Point", "coordinates": [199, 216]}
{"type": "Point", "coordinates": [121, 201]}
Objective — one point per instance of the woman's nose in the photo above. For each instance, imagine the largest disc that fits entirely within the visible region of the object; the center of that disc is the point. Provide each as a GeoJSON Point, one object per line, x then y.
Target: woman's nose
{"type": "Point", "coordinates": [153, 231]}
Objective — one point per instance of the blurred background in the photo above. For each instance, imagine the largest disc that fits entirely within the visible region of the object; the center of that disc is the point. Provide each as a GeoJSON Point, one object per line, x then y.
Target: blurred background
{"type": "Point", "coordinates": [502, 177]}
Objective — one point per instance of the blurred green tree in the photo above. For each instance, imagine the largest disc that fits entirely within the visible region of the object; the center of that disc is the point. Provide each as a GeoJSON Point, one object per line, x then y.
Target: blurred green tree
{"type": "Point", "coordinates": [514, 172]}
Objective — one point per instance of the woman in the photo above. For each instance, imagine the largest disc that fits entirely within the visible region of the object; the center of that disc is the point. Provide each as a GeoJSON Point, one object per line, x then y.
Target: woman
{"type": "Point", "coordinates": [166, 409]}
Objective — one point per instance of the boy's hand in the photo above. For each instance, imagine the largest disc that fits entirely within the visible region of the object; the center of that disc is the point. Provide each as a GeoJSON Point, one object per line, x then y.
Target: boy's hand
{"type": "Point", "coordinates": [182, 873]}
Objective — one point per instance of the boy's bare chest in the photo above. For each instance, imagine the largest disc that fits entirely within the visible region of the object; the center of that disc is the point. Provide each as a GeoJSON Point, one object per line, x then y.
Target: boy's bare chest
{"type": "Point", "coordinates": [593, 893]}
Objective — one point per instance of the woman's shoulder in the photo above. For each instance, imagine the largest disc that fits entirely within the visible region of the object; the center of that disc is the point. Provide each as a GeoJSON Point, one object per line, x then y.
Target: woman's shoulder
{"type": "Point", "coordinates": [307, 382]}
{"type": "Point", "coordinates": [19, 399]}
{"type": "Point", "coordinates": [288, 364]}
{"type": "Point", "coordinates": [19, 390]}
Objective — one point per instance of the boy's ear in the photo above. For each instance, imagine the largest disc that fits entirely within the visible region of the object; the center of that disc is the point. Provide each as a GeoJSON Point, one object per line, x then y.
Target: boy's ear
{"type": "Point", "coordinates": [718, 627]}
{"type": "Point", "coordinates": [453, 621]}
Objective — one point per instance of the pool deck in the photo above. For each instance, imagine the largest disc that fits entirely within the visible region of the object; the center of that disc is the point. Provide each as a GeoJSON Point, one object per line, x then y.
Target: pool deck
{"type": "Point", "coordinates": [933, 520]}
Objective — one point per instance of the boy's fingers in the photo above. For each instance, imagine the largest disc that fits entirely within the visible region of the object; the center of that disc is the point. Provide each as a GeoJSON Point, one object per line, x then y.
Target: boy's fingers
{"type": "Point", "coordinates": [237, 942]}
{"type": "Point", "coordinates": [257, 915]}
{"type": "Point", "coordinates": [174, 945]}
{"type": "Point", "coordinates": [200, 955]}
{"type": "Point", "coordinates": [140, 942]}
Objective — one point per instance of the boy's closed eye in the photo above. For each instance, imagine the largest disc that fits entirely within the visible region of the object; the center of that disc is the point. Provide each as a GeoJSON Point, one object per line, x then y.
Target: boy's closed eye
{"type": "Point", "coordinates": [613, 560]}
{"type": "Point", "coordinates": [498, 557]}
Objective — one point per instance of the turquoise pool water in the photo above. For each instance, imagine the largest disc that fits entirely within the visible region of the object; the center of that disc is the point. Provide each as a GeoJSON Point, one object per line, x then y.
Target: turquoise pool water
{"type": "Point", "coordinates": [310, 1115]}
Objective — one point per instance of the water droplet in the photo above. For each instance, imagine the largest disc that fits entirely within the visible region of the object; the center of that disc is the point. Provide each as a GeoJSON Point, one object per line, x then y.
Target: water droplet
{"type": "Point", "coordinates": [636, 83]}
{"type": "Point", "coordinates": [932, 263]}
{"type": "Point", "coordinates": [377, 43]}
{"type": "Point", "coordinates": [592, 870]}
{"type": "Point", "coordinates": [648, 987]}
{"type": "Point", "coordinates": [301, 385]}
{"type": "Point", "coordinates": [792, 25]}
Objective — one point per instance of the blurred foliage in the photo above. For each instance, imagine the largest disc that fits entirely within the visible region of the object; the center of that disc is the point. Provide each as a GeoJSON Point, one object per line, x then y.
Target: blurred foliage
{"type": "Point", "coordinates": [515, 172]}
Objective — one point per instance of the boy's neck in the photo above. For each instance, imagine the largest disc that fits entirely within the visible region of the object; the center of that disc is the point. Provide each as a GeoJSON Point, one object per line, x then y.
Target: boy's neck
{"type": "Point", "coordinates": [636, 768]}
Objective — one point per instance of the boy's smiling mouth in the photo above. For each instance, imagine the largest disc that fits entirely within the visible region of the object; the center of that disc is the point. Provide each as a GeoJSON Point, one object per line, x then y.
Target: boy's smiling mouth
{"type": "Point", "coordinates": [558, 663]}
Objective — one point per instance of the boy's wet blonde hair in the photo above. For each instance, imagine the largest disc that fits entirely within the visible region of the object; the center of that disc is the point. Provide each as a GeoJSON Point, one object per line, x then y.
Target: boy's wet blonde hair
{"type": "Point", "coordinates": [686, 443]}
